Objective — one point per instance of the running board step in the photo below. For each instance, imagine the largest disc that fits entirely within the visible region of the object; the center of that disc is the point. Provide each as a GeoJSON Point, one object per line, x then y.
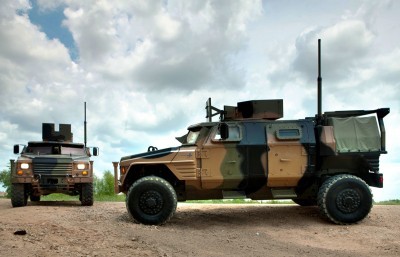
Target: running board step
{"type": "Point", "coordinates": [233, 194]}
{"type": "Point", "coordinates": [283, 193]}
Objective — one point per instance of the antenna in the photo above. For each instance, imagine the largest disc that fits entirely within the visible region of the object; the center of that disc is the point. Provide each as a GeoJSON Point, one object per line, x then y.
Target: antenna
{"type": "Point", "coordinates": [210, 109]}
{"type": "Point", "coordinates": [84, 124]}
{"type": "Point", "coordinates": [319, 115]}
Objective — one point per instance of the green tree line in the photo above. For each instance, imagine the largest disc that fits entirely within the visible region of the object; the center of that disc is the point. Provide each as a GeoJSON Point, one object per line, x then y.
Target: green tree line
{"type": "Point", "coordinates": [5, 181]}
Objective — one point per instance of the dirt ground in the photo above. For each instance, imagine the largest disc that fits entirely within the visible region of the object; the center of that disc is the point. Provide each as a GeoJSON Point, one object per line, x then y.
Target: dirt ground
{"type": "Point", "coordinates": [105, 229]}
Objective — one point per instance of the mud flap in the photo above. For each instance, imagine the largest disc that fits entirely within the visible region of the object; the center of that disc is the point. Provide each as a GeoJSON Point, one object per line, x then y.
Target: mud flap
{"type": "Point", "coordinates": [374, 180]}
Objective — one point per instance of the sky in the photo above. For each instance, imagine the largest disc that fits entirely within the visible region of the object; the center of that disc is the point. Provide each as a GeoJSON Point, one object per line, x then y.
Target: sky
{"type": "Point", "coordinates": [146, 68]}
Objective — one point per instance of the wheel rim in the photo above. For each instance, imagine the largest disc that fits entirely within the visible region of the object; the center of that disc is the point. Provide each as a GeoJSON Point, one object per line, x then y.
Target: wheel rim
{"type": "Point", "coordinates": [151, 202]}
{"type": "Point", "coordinates": [348, 201]}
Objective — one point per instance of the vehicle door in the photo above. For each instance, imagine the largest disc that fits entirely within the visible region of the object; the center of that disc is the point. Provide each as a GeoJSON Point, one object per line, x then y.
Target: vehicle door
{"type": "Point", "coordinates": [222, 160]}
{"type": "Point", "coordinates": [287, 156]}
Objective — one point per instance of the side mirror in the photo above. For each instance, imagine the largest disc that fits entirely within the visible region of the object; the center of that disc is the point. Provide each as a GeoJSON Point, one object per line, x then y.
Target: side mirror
{"type": "Point", "coordinates": [16, 149]}
{"type": "Point", "coordinates": [95, 151]}
{"type": "Point", "coordinates": [223, 129]}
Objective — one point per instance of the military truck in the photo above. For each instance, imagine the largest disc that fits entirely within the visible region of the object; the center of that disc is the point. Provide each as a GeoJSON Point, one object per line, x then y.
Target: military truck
{"type": "Point", "coordinates": [329, 160]}
{"type": "Point", "coordinates": [53, 165]}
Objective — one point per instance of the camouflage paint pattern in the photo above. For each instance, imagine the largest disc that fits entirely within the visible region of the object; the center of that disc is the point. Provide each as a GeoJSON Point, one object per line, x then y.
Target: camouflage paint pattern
{"type": "Point", "coordinates": [239, 163]}
{"type": "Point", "coordinates": [261, 158]}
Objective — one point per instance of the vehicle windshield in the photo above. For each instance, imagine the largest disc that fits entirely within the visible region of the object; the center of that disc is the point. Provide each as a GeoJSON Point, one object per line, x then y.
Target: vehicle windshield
{"type": "Point", "coordinates": [41, 149]}
{"type": "Point", "coordinates": [192, 137]}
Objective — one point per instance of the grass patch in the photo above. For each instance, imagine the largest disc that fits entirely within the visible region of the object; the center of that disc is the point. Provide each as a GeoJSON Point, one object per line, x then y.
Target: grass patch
{"type": "Point", "coordinates": [241, 201]}
{"type": "Point", "coordinates": [389, 202]}
{"type": "Point", "coordinates": [59, 197]}
{"type": "Point", "coordinates": [99, 198]}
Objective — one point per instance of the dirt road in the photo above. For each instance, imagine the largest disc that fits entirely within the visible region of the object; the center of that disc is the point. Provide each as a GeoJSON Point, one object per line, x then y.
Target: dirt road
{"type": "Point", "coordinates": [105, 229]}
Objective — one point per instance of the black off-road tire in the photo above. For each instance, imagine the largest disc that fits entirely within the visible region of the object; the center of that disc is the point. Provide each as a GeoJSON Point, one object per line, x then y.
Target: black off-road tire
{"type": "Point", "coordinates": [19, 196]}
{"type": "Point", "coordinates": [305, 202]}
{"type": "Point", "coordinates": [35, 198]}
{"type": "Point", "coordinates": [345, 199]}
{"type": "Point", "coordinates": [86, 196]}
{"type": "Point", "coordinates": [151, 200]}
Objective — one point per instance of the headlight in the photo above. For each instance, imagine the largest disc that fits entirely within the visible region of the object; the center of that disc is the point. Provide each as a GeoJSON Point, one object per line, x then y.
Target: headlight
{"type": "Point", "coordinates": [24, 166]}
{"type": "Point", "coordinates": [81, 166]}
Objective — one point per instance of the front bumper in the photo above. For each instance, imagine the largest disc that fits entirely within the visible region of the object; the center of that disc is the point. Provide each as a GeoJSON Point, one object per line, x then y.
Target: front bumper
{"type": "Point", "coordinates": [45, 180]}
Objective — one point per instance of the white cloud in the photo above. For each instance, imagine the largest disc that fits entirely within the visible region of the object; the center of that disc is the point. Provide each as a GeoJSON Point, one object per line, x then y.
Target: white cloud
{"type": "Point", "coordinates": [146, 68]}
{"type": "Point", "coordinates": [166, 28]}
{"type": "Point", "coordinates": [343, 46]}
{"type": "Point", "coordinates": [48, 5]}
{"type": "Point", "coordinates": [152, 46]}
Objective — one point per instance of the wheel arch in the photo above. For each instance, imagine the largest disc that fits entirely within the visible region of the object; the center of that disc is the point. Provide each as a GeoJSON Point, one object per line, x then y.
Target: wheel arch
{"type": "Point", "coordinates": [138, 171]}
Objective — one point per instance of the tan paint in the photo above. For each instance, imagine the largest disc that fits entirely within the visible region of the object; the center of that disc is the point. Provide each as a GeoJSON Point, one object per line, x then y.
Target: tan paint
{"type": "Point", "coordinates": [212, 157]}
{"type": "Point", "coordinates": [287, 164]}
{"type": "Point", "coordinates": [287, 159]}
{"type": "Point", "coordinates": [220, 164]}
{"type": "Point", "coordinates": [184, 164]}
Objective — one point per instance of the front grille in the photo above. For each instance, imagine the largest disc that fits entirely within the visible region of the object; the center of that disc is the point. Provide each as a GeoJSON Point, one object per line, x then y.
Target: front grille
{"type": "Point", "coordinates": [48, 169]}
{"type": "Point", "coordinates": [52, 166]}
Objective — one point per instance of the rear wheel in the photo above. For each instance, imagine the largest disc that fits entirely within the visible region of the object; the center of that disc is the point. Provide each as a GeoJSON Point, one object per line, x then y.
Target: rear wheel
{"type": "Point", "coordinates": [19, 196]}
{"type": "Point", "coordinates": [86, 196]}
{"type": "Point", "coordinates": [151, 200]}
{"type": "Point", "coordinates": [345, 199]}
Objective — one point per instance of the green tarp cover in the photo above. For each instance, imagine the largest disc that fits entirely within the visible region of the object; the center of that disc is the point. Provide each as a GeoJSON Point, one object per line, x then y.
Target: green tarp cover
{"type": "Point", "coordinates": [356, 134]}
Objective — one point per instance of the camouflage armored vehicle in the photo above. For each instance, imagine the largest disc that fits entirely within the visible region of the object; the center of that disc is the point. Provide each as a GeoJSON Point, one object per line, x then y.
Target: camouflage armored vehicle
{"type": "Point", "coordinates": [329, 160]}
{"type": "Point", "coordinates": [54, 165]}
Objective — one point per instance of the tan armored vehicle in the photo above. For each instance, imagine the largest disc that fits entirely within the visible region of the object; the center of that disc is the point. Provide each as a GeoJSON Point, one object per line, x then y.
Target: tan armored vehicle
{"type": "Point", "coordinates": [329, 160]}
{"type": "Point", "coordinates": [53, 165]}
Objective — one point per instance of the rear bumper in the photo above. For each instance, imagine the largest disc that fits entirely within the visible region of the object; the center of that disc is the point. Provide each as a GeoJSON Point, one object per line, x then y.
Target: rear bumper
{"type": "Point", "coordinates": [374, 180]}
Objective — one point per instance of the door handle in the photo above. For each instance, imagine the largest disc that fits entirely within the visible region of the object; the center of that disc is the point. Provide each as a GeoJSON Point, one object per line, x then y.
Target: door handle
{"type": "Point", "coordinates": [285, 160]}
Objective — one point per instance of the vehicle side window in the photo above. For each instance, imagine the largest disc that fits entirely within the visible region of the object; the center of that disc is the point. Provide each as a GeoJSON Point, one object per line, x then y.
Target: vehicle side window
{"type": "Point", "coordinates": [235, 134]}
{"type": "Point", "coordinates": [292, 133]}
{"type": "Point", "coordinates": [285, 131]}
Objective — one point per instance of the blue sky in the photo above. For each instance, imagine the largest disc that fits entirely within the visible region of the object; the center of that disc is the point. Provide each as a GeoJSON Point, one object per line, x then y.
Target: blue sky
{"type": "Point", "coordinates": [146, 68]}
{"type": "Point", "coordinates": [50, 22]}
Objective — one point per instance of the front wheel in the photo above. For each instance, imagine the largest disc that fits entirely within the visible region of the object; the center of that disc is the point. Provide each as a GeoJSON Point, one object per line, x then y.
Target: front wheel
{"type": "Point", "coordinates": [86, 196]}
{"type": "Point", "coordinates": [19, 195]}
{"type": "Point", "coordinates": [345, 199]}
{"type": "Point", "coordinates": [151, 200]}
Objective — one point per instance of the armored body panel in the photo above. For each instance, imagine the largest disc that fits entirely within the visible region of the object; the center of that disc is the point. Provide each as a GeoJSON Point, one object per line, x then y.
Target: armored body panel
{"type": "Point", "coordinates": [251, 153]}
